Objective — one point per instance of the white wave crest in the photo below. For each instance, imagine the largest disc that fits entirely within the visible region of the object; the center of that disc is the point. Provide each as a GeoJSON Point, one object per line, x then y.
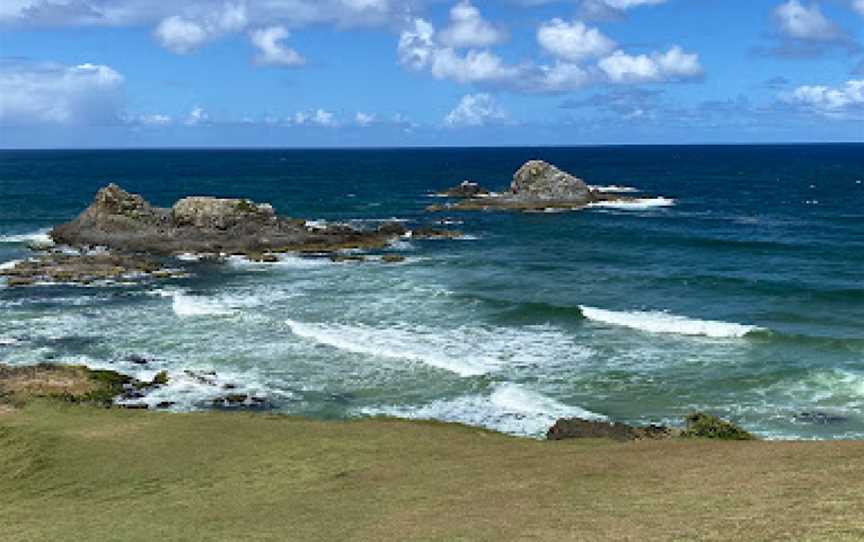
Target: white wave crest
{"type": "Point", "coordinates": [466, 351]}
{"type": "Point", "coordinates": [37, 239]}
{"type": "Point", "coordinates": [638, 204]}
{"type": "Point", "coordinates": [662, 322]}
{"type": "Point", "coordinates": [510, 408]}
{"type": "Point", "coordinates": [9, 265]}
{"type": "Point", "coordinates": [8, 341]}
{"type": "Point", "coordinates": [615, 189]}
{"type": "Point", "coordinates": [190, 306]}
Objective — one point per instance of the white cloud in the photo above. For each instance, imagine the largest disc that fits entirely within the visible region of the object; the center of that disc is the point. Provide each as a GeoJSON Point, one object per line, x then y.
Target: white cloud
{"type": "Point", "coordinates": [628, 4]}
{"type": "Point", "coordinates": [364, 119]}
{"type": "Point", "coordinates": [51, 93]}
{"type": "Point", "coordinates": [475, 110]}
{"type": "Point", "coordinates": [183, 35]}
{"type": "Point", "coordinates": [319, 117]}
{"type": "Point", "coordinates": [197, 117]}
{"type": "Point", "coordinates": [673, 65]}
{"type": "Point", "coordinates": [560, 77]}
{"type": "Point", "coordinates": [573, 41]}
{"type": "Point", "coordinates": [827, 100]}
{"type": "Point", "coordinates": [797, 21]}
{"type": "Point", "coordinates": [858, 5]}
{"type": "Point", "coordinates": [155, 119]}
{"type": "Point", "coordinates": [468, 28]}
{"type": "Point", "coordinates": [272, 50]}
{"type": "Point", "coordinates": [419, 49]}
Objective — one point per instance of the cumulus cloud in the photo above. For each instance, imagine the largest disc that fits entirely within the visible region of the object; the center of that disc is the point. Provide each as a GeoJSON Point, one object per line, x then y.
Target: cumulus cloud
{"type": "Point", "coordinates": [319, 117]}
{"type": "Point", "coordinates": [797, 21]}
{"type": "Point", "coordinates": [573, 41]}
{"type": "Point", "coordinates": [89, 94]}
{"type": "Point", "coordinates": [364, 119]}
{"type": "Point", "coordinates": [673, 65]}
{"type": "Point", "coordinates": [475, 110]}
{"type": "Point", "coordinates": [197, 117]}
{"type": "Point", "coordinates": [829, 101]}
{"type": "Point", "coordinates": [420, 49]}
{"type": "Point", "coordinates": [182, 35]}
{"type": "Point", "coordinates": [155, 119]}
{"type": "Point", "coordinates": [468, 28]}
{"type": "Point", "coordinates": [272, 50]}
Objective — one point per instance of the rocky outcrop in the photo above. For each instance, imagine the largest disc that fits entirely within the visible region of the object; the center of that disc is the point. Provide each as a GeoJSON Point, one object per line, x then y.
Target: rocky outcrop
{"type": "Point", "coordinates": [537, 185]}
{"type": "Point", "coordinates": [85, 269]}
{"type": "Point", "coordinates": [697, 425]}
{"type": "Point", "coordinates": [126, 222]}
{"type": "Point", "coordinates": [466, 189]}
{"type": "Point", "coordinates": [578, 428]}
{"type": "Point", "coordinates": [538, 180]}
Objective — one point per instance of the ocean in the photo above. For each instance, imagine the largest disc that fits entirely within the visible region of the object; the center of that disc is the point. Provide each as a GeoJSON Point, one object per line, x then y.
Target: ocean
{"type": "Point", "coordinates": [735, 285]}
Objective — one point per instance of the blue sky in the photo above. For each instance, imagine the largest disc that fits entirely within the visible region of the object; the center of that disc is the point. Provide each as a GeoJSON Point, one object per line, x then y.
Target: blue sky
{"type": "Point", "coordinates": [144, 73]}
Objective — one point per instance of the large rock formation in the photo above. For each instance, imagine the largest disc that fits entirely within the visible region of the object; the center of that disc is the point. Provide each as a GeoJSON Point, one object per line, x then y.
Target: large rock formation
{"type": "Point", "coordinates": [538, 180]}
{"type": "Point", "coordinates": [126, 222]}
{"type": "Point", "coordinates": [537, 185]}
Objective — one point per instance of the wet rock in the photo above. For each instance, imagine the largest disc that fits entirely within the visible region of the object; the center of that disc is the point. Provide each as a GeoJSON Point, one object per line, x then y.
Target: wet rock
{"type": "Point", "coordinates": [85, 269]}
{"type": "Point", "coordinates": [578, 428]}
{"type": "Point", "coordinates": [432, 233]}
{"type": "Point", "coordinates": [396, 229]}
{"type": "Point", "coordinates": [343, 258]}
{"type": "Point", "coordinates": [821, 418]}
{"type": "Point", "coordinates": [263, 257]}
{"type": "Point", "coordinates": [137, 360]}
{"type": "Point", "coordinates": [240, 400]}
{"type": "Point", "coordinates": [392, 258]}
{"type": "Point", "coordinates": [165, 404]}
{"type": "Point", "coordinates": [466, 189]}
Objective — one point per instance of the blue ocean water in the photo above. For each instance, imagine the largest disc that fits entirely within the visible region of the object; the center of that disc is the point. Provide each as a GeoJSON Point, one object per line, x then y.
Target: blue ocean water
{"type": "Point", "coordinates": [740, 293]}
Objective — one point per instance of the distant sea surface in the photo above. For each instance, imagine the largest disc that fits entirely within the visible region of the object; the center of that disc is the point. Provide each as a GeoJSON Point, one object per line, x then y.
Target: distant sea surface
{"type": "Point", "coordinates": [735, 286]}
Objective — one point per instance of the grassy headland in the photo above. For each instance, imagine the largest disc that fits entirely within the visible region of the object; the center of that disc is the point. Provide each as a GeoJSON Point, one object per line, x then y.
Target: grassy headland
{"type": "Point", "coordinates": [72, 471]}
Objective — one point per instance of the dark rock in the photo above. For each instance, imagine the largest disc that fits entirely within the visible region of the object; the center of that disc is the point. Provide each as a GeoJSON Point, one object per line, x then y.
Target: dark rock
{"type": "Point", "coordinates": [134, 406]}
{"type": "Point", "coordinates": [137, 360]}
{"type": "Point", "coordinates": [85, 269]}
{"type": "Point", "coordinates": [821, 418]}
{"type": "Point", "coordinates": [432, 233]}
{"type": "Point", "coordinates": [240, 400]}
{"type": "Point", "coordinates": [165, 404]}
{"type": "Point", "coordinates": [392, 258]}
{"type": "Point", "coordinates": [342, 258]}
{"type": "Point", "coordinates": [395, 229]}
{"type": "Point", "coordinates": [579, 428]}
{"type": "Point", "coordinates": [465, 189]}
{"type": "Point", "coordinates": [122, 221]}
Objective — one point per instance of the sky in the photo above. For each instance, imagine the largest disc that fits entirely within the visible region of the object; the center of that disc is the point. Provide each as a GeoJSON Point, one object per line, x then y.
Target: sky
{"type": "Point", "coordinates": [368, 73]}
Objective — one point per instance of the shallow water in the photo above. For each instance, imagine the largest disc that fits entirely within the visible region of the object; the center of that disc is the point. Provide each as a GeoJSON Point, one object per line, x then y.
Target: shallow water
{"type": "Point", "coordinates": [736, 285]}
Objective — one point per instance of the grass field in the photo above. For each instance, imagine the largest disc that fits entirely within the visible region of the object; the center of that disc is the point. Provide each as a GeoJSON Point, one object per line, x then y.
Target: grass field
{"type": "Point", "coordinates": [76, 472]}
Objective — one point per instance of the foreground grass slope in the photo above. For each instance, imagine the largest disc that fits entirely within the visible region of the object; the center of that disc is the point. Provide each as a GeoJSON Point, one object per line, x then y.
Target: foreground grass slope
{"type": "Point", "coordinates": [77, 472]}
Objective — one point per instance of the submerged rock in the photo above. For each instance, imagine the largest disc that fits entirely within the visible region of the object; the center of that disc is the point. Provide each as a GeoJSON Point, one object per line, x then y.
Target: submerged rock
{"type": "Point", "coordinates": [126, 222]}
{"type": "Point", "coordinates": [537, 185]}
{"type": "Point", "coordinates": [821, 418]}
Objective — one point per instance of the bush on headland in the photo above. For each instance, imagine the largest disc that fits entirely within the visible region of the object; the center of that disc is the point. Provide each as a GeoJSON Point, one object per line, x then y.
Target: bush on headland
{"type": "Point", "coordinates": [701, 425]}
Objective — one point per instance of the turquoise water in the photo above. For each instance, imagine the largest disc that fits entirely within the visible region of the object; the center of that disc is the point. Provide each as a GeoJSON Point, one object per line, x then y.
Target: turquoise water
{"type": "Point", "coordinates": [741, 293]}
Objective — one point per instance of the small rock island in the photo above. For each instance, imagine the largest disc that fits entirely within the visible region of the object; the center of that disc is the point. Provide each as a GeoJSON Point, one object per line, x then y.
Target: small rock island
{"type": "Point", "coordinates": [536, 186]}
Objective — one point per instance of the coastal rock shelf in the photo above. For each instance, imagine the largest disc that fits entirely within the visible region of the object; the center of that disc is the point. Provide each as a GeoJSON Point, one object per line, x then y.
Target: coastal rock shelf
{"type": "Point", "coordinates": [85, 269]}
{"type": "Point", "coordinates": [126, 222]}
{"type": "Point", "coordinates": [536, 186]}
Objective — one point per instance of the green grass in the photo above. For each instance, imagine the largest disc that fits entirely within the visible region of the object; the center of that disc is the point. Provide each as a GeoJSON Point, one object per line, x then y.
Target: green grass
{"type": "Point", "coordinates": [77, 472]}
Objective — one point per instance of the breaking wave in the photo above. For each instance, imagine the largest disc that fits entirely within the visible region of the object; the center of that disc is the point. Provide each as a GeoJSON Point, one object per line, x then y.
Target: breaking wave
{"type": "Point", "coordinates": [662, 322]}
{"type": "Point", "coordinates": [638, 204]}
{"type": "Point", "coordinates": [510, 408]}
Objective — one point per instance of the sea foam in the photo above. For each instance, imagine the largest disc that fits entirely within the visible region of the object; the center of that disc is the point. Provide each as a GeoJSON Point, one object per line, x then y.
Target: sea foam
{"type": "Point", "coordinates": [662, 322]}
{"type": "Point", "coordinates": [466, 351]}
{"type": "Point", "coordinates": [615, 189]}
{"type": "Point", "coordinates": [510, 408]}
{"type": "Point", "coordinates": [38, 238]}
{"type": "Point", "coordinates": [638, 204]}
{"type": "Point", "coordinates": [190, 306]}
